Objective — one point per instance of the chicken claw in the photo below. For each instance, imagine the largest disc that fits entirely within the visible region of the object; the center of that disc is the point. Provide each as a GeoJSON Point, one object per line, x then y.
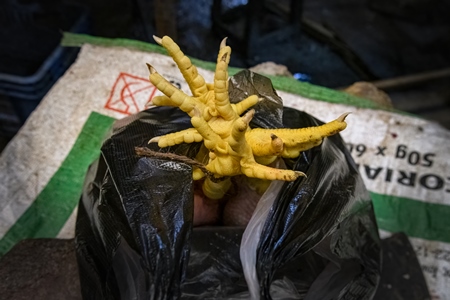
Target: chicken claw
{"type": "Point", "coordinates": [233, 147]}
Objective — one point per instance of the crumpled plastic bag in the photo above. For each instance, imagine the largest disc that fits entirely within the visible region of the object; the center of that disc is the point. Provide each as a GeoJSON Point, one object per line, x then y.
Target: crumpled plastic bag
{"type": "Point", "coordinates": [134, 231]}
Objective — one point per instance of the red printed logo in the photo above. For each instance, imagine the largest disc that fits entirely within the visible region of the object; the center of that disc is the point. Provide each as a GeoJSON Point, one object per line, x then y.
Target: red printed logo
{"type": "Point", "coordinates": [130, 94]}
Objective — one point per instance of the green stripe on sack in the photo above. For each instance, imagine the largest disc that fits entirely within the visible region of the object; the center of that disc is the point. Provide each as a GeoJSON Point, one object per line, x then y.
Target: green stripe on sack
{"type": "Point", "coordinates": [416, 218]}
{"type": "Point", "coordinates": [53, 206]}
{"type": "Point", "coordinates": [281, 83]}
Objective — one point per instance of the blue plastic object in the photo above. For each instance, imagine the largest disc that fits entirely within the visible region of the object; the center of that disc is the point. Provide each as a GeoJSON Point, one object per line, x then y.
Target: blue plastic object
{"type": "Point", "coordinates": [302, 77]}
{"type": "Point", "coordinates": [31, 64]}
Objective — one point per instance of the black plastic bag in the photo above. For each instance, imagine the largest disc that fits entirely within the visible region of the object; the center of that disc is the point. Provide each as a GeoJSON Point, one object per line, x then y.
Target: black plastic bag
{"type": "Point", "coordinates": [134, 230]}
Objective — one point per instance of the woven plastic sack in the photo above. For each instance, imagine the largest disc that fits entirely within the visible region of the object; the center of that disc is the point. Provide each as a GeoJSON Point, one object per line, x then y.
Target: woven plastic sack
{"type": "Point", "coordinates": [135, 239]}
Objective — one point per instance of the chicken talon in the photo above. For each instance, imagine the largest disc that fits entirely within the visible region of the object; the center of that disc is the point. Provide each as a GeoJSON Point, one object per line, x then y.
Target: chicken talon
{"type": "Point", "coordinates": [158, 40]}
{"type": "Point", "coordinates": [151, 69]}
{"type": "Point", "coordinates": [248, 116]}
{"type": "Point", "coordinates": [343, 116]}
{"type": "Point", "coordinates": [154, 140]}
{"type": "Point", "coordinates": [223, 43]}
{"type": "Point", "coordinates": [300, 174]}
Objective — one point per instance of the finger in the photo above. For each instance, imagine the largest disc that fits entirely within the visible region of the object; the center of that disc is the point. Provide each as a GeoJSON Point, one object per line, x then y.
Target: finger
{"type": "Point", "coordinates": [222, 100]}
{"type": "Point", "coordinates": [163, 101]}
{"type": "Point", "coordinates": [240, 126]}
{"type": "Point", "coordinates": [245, 104]}
{"type": "Point", "coordinates": [188, 136]}
{"type": "Point", "coordinates": [176, 97]}
{"type": "Point", "coordinates": [264, 172]}
{"type": "Point", "coordinates": [194, 80]}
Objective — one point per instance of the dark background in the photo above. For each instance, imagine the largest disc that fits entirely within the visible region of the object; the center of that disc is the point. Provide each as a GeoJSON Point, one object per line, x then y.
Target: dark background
{"type": "Point", "coordinates": [333, 42]}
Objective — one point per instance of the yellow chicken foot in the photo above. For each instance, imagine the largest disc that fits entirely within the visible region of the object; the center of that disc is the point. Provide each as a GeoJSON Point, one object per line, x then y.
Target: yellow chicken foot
{"type": "Point", "coordinates": [231, 147]}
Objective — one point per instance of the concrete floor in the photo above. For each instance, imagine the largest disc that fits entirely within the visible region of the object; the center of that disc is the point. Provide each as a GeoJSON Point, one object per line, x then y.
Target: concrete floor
{"type": "Point", "coordinates": [47, 269]}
